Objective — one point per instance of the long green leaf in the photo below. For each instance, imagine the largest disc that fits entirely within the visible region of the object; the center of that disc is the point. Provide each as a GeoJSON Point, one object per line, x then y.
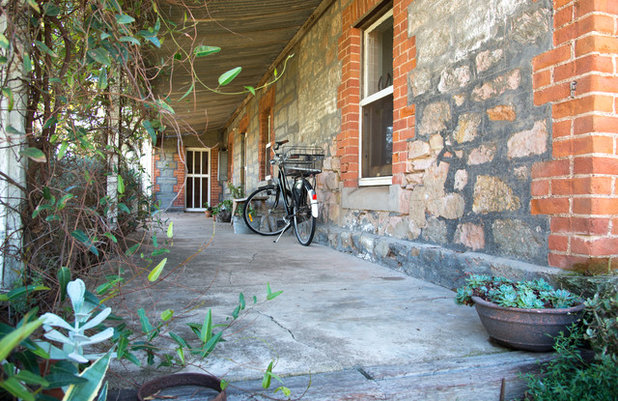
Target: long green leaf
{"type": "Point", "coordinates": [44, 48]}
{"type": "Point", "coordinates": [100, 55]}
{"type": "Point", "coordinates": [35, 154]}
{"type": "Point", "coordinates": [170, 230]}
{"type": "Point", "coordinates": [267, 376]}
{"type": "Point", "coordinates": [204, 50]}
{"type": "Point", "coordinates": [11, 340]}
{"type": "Point", "coordinates": [64, 276]}
{"type": "Point", "coordinates": [124, 19]}
{"type": "Point", "coordinates": [271, 295]}
{"type": "Point", "coordinates": [146, 326]}
{"type": "Point", "coordinates": [120, 184]}
{"type": "Point", "coordinates": [31, 378]}
{"type": "Point", "coordinates": [206, 332]}
{"type": "Point", "coordinates": [14, 386]}
{"type": "Point", "coordinates": [130, 39]}
{"type": "Point", "coordinates": [188, 92]}
{"type": "Point", "coordinates": [9, 95]}
{"type": "Point", "coordinates": [18, 292]}
{"type": "Point", "coordinates": [95, 374]}
{"type": "Point", "coordinates": [229, 76]}
{"type": "Point", "coordinates": [156, 272]}
{"type": "Point", "coordinates": [4, 42]}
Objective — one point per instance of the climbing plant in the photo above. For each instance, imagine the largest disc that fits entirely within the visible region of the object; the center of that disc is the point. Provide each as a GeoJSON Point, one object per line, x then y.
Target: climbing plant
{"type": "Point", "coordinates": [82, 76]}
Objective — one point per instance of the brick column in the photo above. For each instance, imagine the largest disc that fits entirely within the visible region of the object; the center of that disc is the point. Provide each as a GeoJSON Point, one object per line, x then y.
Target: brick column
{"type": "Point", "coordinates": [404, 116]}
{"type": "Point", "coordinates": [578, 187]}
{"type": "Point", "coordinates": [348, 94]}
{"type": "Point", "coordinates": [348, 97]}
{"type": "Point", "coordinates": [180, 174]}
{"type": "Point", "coordinates": [215, 187]}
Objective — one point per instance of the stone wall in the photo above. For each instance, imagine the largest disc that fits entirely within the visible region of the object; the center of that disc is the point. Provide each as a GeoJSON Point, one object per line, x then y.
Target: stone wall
{"type": "Point", "coordinates": [474, 133]}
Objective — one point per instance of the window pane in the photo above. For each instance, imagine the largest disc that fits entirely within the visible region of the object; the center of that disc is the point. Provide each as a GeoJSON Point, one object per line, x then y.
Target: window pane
{"type": "Point", "coordinates": [196, 192]}
{"type": "Point", "coordinates": [377, 143]}
{"type": "Point", "coordinates": [189, 161]}
{"type": "Point", "coordinates": [204, 191]}
{"type": "Point", "coordinates": [204, 162]}
{"type": "Point", "coordinates": [189, 192]}
{"type": "Point", "coordinates": [378, 57]}
{"type": "Point", "coordinates": [198, 162]}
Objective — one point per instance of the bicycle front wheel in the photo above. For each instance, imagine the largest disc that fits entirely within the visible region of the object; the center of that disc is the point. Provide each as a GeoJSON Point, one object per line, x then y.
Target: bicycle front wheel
{"type": "Point", "coordinates": [304, 222]}
{"type": "Point", "coordinates": [265, 211]}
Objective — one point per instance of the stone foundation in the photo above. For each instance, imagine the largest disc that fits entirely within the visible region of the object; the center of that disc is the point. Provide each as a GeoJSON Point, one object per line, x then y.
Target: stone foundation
{"type": "Point", "coordinates": [432, 263]}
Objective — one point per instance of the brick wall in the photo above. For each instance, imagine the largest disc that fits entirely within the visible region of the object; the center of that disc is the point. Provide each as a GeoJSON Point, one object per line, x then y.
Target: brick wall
{"type": "Point", "coordinates": [179, 173]}
{"type": "Point", "coordinates": [579, 78]}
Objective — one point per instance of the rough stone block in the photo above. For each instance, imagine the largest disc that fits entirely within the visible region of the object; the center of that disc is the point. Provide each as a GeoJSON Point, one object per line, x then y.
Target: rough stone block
{"type": "Point", "coordinates": [417, 149]}
{"type": "Point", "coordinates": [435, 117]}
{"type": "Point", "coordinates": [530, 142]}
{"type": "Point", "coordinates": [516, 238]}
{"type": "Point", "coordinates": [470, 235]}
{"type": "Point", "coordinates": [482, 154]}
{"type": "Point", "coordinates": [467, 127]}
{"type": "Point", "coordinates": [491, 194]}
{"type": "Point", "coordinates": [452, 79]}
{"type": "Point", "coordinates": [461, 179]}
{"type": "Point", "coordinates": [487, 59]}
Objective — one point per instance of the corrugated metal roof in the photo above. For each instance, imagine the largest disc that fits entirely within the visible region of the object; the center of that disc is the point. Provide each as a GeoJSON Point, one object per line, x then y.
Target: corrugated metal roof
{"type": "Point", "coordinates": [251, 34]}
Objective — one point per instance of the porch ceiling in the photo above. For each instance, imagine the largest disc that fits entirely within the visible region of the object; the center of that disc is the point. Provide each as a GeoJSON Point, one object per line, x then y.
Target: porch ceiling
{"type": "Point", "coordinates": [251, 34]}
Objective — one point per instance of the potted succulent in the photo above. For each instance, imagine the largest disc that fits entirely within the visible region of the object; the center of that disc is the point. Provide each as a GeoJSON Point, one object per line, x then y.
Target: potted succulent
{"type": "Point", "coordinates": [526, 315]}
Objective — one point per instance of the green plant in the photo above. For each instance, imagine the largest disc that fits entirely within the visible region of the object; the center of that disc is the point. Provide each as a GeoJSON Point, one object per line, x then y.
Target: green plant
{"type": "Point", "coordinates": [80, 374]}
{"type": "Point", "coordinates": [75, 338]}
{"type": "Point", "coordinates": [535, 294]}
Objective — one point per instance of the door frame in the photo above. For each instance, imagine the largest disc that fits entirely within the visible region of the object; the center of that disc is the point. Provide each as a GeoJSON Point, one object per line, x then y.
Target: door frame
{"type": "Point", "coordinates": [208, 175]}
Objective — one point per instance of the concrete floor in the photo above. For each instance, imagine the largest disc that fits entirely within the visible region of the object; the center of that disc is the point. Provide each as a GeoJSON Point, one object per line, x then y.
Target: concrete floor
{"type": "Point", "coordinates": [347, 328]}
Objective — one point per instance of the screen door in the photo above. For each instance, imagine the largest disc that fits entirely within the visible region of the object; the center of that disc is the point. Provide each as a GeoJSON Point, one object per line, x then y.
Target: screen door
{"type": "Point", "coordinates": [197, 190]}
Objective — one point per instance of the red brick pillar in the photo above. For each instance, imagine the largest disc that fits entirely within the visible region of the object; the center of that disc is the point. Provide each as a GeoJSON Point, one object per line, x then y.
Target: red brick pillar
{"type": "Point", "coordinates": [578, 187]}
{"type": "Point", "coordinates": [404, 116]}
{"type": "Point", "coordinates": [180, 174]}
{"type": "Point", "coordinates": [348, 96]}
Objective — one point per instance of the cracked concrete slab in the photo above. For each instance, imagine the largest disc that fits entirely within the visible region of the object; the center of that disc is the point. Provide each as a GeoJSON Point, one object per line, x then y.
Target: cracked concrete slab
{"type": "Point", "coordinates": [340, 320]}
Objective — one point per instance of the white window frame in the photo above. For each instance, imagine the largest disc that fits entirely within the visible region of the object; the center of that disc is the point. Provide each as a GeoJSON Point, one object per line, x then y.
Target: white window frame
{"type": "Point", "coordinates": [200, 175]}
{"type": "Point", "coordinates": [370, 181]}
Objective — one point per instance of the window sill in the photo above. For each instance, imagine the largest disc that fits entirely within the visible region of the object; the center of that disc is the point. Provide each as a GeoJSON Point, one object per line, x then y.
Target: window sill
{"type": "Point", "coordinates": [375, 181]}
{"type": "Point", "coordinates": [375, 197]}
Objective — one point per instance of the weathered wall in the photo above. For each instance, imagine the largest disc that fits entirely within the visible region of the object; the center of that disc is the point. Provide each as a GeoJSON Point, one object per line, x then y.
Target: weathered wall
{"type": "Point", "coordinates": [477, 132]}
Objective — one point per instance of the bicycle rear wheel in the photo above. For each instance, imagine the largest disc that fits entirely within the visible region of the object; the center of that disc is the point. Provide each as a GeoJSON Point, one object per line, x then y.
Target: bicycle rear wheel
{"type": "Point", "coordinates": [304, 222]}
{"type": "Point", "coordinates": [265, 211]}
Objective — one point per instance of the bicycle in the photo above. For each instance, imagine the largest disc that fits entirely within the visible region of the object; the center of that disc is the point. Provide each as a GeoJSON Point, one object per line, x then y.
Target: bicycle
{"type": "Point", "coordinates": [289, 199]}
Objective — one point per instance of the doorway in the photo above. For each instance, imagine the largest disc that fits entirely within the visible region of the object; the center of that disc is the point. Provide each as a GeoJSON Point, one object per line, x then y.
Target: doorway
{"type": "Point", "coordinates": [197, 190]}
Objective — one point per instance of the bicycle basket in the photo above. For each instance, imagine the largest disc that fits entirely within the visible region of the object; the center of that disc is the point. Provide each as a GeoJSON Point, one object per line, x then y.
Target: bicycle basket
{"type": "Point", "coordinates": [303, 160]}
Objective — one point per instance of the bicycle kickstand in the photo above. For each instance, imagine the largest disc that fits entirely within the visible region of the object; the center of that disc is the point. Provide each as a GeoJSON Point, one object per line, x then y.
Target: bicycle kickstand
{"type": "Point", "coordinates": [288, 224]}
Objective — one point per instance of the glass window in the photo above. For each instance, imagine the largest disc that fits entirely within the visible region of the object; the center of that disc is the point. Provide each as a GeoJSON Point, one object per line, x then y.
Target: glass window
{"type": "Point", "coordinates": [377, 99]}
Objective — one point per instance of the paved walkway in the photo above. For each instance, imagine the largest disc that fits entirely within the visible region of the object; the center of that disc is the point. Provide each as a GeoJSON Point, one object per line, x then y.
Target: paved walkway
{"type": "Point", "coordinates": [345, 328]}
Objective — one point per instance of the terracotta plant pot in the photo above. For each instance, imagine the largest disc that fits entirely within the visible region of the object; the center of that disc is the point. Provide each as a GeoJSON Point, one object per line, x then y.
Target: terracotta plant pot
{"type": "Point", "coordinates": [525, 329]}
{"type": "Point", "coordinates": [181, 379]}
{"type": "Point", "coordinates": [208, 213]}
